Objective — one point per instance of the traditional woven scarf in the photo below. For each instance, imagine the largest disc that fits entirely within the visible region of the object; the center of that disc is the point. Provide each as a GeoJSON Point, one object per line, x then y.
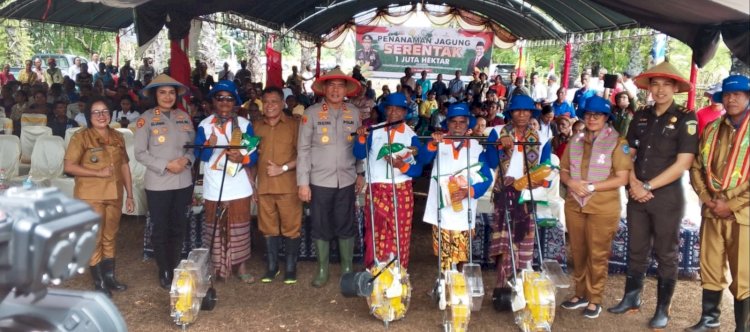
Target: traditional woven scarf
{"type": "Point", "coordinates": [600, 160]}
{"type": "Point", "coordinates": [532, 153]}
{"type": "Point", "coordinates": [738, 162]}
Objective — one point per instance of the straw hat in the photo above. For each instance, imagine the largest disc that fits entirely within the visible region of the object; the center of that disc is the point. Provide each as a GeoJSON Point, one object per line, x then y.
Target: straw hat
{"type": "Point", "coordinates": [666, 70]}
{"type": "Point", "coordinates": [352, 85]}
{"type": "Point", "coordinates": [164, 80]}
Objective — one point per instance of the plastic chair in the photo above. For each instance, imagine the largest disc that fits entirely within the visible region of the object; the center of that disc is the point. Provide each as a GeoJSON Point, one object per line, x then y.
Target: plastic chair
{"type": "Point", "coordinates": [10, 150]}
{"type": "Point", "coordinates": [137, 173]}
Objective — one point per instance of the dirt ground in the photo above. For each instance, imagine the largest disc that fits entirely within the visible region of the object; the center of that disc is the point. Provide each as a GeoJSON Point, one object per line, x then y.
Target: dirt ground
{"type": "Point", "coordinates": [300, 307]}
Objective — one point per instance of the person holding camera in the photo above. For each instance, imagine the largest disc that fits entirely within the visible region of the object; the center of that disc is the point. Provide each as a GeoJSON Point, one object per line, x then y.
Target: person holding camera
{"type": "Point", "coordinates": [97, 158]}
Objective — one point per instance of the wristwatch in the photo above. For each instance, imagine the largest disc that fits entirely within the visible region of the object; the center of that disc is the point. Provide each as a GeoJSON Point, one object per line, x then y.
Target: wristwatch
{"type": "Point", "coordinates": [590, 187]}
{"type": "Point", "coordinates": [284, 168]}
{"type": "Point", "coordinates": [646, 186]}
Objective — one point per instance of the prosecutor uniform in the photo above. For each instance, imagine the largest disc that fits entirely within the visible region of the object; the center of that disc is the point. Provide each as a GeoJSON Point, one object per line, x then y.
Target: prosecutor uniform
{"type": "Point", "coordinates": [160, 135]}
{"type": "Point", "coordinates": [326, 165]}
{"type": "Point", "coordinates": [720, 176]}
{"type": "Point", "coordinates": [657, 140]}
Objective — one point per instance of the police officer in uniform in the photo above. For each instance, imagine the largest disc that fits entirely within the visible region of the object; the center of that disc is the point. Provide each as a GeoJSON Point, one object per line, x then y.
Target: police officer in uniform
{"type": "Point", "coordinates": [663, 140]}
{"type": "Point", "coordinates": [160, 135]}
{"type": "Point", "coordinates": [326, 171]}
{"type": "Point", "coordinates": [367, 56]}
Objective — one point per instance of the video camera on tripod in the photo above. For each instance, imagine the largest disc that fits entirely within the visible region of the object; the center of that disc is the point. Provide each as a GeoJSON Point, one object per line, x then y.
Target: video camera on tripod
{"type": "Point", "coordinates": [45, 238]}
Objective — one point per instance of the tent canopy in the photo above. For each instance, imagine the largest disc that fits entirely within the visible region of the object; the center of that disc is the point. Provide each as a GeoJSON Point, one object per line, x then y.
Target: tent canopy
{"type": "Point", "coordinates": [698, 23]}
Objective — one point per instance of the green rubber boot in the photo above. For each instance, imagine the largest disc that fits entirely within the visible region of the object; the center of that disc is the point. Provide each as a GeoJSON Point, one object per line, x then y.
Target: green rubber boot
{"type": "Point", "coordinates": [346, 252]}
{"type": "Point", "coordinates": [323, 247]}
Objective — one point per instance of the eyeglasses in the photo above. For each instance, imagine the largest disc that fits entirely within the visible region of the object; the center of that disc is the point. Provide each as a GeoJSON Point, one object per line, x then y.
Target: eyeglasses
{"type": "Point", "coordinates": [229, 99]}
{"type": "Point", "coordinates": [595, 116]}
{"type": "Point", "coordinates": [101, 113]}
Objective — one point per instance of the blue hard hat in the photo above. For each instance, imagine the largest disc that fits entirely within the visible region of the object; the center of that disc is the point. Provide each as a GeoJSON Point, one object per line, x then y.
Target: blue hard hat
{"type": "Point", "coordinates": [595, 104]}
{"type": "Point", "coordinates": [732, 83]}
{"type": "Point", "coordinates": [521, 102]}
{"type": "Point", "coordinates": [459, 109]}
{"type": "Point", "coordinates": [396, 99]}
{"type": "Point", "coordinates": [227, 86]}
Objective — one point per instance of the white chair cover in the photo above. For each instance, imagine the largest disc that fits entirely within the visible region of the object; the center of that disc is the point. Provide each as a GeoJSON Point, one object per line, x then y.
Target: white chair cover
{"type": "Point", "coordinates": [6, 126]}
{"type": "Point", "coordinates": [33, 120]}
{"type": "Point", "coordinates": [29, 135]}
{"type": "Point", "coordinates": [115, 125]}
{"type": "Point", "coordinates": [47, 158]}
{"type": "Point", "coordinates": [10, 155]}
{"type": "Point", "coordinates": [137, 173]}
{"type": "Point", "coordinates": [69, 133]}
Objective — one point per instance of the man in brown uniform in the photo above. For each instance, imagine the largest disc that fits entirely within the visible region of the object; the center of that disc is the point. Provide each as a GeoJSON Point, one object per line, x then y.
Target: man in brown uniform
{"type": "Point", "coordinates": [663, 139]}
{"type": "Point", "coordinates": [327, 172]}
{"type": "Point", "coordinates": [279, 207]}
{"type": "Point", "coordinates": [720, 177]}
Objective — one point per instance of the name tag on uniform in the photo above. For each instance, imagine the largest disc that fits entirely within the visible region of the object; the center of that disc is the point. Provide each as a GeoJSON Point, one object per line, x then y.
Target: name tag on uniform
{"type": "Point", "coordinates": [324, 123]}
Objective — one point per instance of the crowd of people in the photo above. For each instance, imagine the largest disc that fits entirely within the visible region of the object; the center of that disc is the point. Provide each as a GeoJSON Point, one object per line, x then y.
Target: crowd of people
{"type": "Point", "coordinates": [323, 147]}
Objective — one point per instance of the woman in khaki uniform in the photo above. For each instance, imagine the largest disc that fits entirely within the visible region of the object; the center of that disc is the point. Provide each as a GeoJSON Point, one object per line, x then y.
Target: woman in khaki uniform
{"type": "Point", "coordinates": [97, 158]}
{"type": "Point", "coordinates": [594, 166]}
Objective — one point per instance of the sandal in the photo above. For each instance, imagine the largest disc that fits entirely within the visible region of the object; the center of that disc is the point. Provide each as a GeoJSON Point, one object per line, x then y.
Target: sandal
{"type": "Point", "coordinates": [246, 278]}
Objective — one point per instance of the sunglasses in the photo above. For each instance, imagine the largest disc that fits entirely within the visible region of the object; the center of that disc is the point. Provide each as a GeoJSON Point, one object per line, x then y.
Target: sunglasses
{"type": "Point", "coordinates": [101, 113]}
{"type": "Point", "coordinates": [224, 98]}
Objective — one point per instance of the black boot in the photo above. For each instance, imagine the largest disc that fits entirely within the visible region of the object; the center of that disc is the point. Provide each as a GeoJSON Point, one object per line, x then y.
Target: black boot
{"type": "Point", "coordinates": [108, 273]}
{"type": "Point", "coordinates": [96, 275]}
{"type": "Point", "coordinates": [664, 292]}
{"type": "Point", "coordinates": [291, 247]}
{"type": "Point", "coordinates": [632, 298]}
{"type": "Point", "coordinates": [742, 315]}
{"type": "Point", "coordinates": [272, 252]}
{"type": "Point", "coordinates": [709, 314]}
{"type": "Point", "coordinates": [164, 262]}
{"type": "Point", "coordinates": [165, 278]}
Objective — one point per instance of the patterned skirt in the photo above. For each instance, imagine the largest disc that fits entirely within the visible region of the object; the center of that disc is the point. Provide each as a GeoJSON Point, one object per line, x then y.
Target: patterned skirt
{"type": "Point", "coordinates": [454, 247]}
{"type": "Point", "coordinates": [231, 243]}
{"type": "Point", "coordinates": [523, 234]}
{"type": "Point", "coordinates": [385, 231]}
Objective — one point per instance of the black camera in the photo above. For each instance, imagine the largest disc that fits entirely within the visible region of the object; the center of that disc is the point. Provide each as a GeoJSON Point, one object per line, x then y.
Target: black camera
{"type": "Point", "coordinates": [45, 238]}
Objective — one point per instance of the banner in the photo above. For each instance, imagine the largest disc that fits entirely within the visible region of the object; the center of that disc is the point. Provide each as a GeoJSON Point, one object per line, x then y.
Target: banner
{"type": "Point", "coordinates": [386, 51]}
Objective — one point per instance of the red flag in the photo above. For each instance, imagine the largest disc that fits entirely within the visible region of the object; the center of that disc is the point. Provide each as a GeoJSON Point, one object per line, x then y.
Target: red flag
{"type": "Point", "coordinates": [273, 66]}
{"type": "Point", "coordinates": [179, 67]}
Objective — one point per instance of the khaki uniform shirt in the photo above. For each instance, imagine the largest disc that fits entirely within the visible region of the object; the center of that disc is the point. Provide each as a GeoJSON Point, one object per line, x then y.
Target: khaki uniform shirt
{"type": "Point", "coordinates": [88, 149]}
{"type": "Point", "coordinates": [278, 144]}
{"type": "Point", "coordinates": [159, 139]}
{"type": "Point", "coordinates": [658, 139]}
{"type": "Point", "coordinates": [738, 198]}
{"type": "Point", "coordinates": [601, 202]}
{"type": "Point", "coordinates": [324, 147]}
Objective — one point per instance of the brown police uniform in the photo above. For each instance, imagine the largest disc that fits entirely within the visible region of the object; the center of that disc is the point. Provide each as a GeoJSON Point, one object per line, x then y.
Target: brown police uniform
{"type": "Point", "coordinates": [88, 149]}
{"type": "Point", "coordinates": [592, 227]}
{"type": "Point", "coordinates": [723, 239]}
{"type": "Point", "coordinates": [279, 206]}
{"type": "Point", "coordinates": [325, 162]}
{"type": "Point", "coordinates": [159, 138]}
{"type": "Point", "coordinates": [658, 140]}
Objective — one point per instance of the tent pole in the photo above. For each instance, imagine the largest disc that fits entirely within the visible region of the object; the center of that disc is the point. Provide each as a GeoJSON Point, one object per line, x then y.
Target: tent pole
{"type": "Point", "coordinates": [566, 66]}
{"type": "Point", "coordinates": [317, 62]}
{"type": "Point", "coordinates": [117, 51]}
{"type": "Point", "coordinates": [693, 80]}
{"type": "Point", "coordinates": [519, 68]}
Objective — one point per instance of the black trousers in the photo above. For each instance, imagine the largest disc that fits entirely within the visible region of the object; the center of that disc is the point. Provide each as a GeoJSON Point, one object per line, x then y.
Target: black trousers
{"type": "Point", "coordinates": [656, 225]}
{"type": "Point", "coordinates": [332, 213]}
{"type": "Point", "coordinates": [168, 210]}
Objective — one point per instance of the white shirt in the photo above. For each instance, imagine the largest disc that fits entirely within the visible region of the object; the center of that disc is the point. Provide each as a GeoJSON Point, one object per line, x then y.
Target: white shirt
{"type": "Point", "coordinates": [552, 92]}
{"type": "Point", "coordinates": [379, 167]}
{"type": "Point", "coordinates": [545, 133]}
{"type": "Point", "coordinates": [73, 71]}
{"type": "Point", "coordinates": [132, 116]}
{"type": "Point", "coordinates": [93, 68]}
{"type": "Point", "coordinates": [229, 73]}
{"type": "Point", "coordinates": [81, 119]}
{"type": "Point", "coordinates": [449, 219]}
{"type": "Point", "coordinates": [234, 187]}
{"type": "Point", "coordinates": [539, 93]}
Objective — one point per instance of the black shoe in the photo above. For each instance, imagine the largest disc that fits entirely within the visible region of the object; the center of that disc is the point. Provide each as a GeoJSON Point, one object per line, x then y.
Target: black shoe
{"type": "Point", "coordinates": [632, 298]}
{"type": "Point", "coordinates": [570, 305]}
{"type": "Point", "coordinates": [710, 312]}
{"type": "Point", "coordinates": [742, 315]}
{"type": "Point", "coordinates": [165, 279]}
{"type": "Point", "coordinates": [292, 250]}
{"type": "Point", "coordinates": [592, 313]}
{"type": "Point", "coordinates": [664, 292]}
{"type": "Point", "coordinates": [108, 273]}
{"type": "Point", "coordinates": [96, 275]}
{"type": "Point", "coordinates": [273, 243]}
